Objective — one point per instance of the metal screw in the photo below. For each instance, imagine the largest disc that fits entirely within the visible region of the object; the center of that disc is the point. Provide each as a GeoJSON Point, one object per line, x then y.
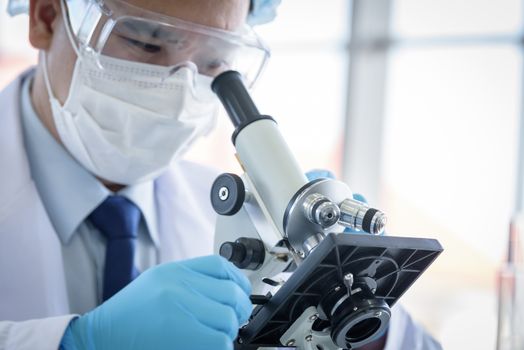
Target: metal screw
{"type": "Point", "coordinates": [355, 308]}
{"type": "Point", "coordinates": [309, 338]}
{"type": "Point", "coordinates": [223, 193]}
{"type": "Point", "coordinates": [313, 317]}
{"type": "Point", "coordinates": [290, 342]}
{"type": "Point", "coordinates": [337, 289]}
{"type": "Point", "coordinates": [302, 254]}
{"type": "Point", "coordinates": [348, 282]}
{"type": "Point", "coordinates": [373, 290]}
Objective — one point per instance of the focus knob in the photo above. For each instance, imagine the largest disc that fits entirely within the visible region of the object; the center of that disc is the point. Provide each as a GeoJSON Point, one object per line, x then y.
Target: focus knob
{"type": "Point", "coordinates": [245, 253]}
{"type": "Point", "coordinates": [228, 194]}
{"type": "Point", "coordinates": [234, 252]}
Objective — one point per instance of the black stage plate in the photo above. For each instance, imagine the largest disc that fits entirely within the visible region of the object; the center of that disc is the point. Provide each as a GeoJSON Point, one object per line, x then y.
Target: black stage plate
{"type": "Point", "coordinates": [393, 262]}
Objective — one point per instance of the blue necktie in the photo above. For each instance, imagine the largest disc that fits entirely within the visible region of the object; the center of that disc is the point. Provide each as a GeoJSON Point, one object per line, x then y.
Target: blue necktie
{"type": "Point", "coordinates": [117, 218]}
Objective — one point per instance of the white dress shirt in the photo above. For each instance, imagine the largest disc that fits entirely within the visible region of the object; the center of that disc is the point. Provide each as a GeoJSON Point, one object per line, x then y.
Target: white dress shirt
{"type": "Point", "coordinates": [70, 193]}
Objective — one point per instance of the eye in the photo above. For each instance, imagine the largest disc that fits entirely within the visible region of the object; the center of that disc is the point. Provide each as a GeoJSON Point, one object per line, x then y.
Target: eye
{"type": "Point", "coordinates": [146, 47]}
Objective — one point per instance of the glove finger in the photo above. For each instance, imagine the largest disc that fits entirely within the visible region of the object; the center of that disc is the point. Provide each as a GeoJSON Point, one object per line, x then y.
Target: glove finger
{"type": "Point", "coordinates": [224, 292]}
{"type": "Point", "coordinates": [218, 267]}
{"type": "Point", "coordinates": [319, 174]}
{"type": "Point", "coordinates": [194, 335]}
{"type": "Point", "coordinates": [213, 340]}
{"type": "Point", "coordinates": [359, 197]}
{"type": "Point", "coordinates": [208, 312]}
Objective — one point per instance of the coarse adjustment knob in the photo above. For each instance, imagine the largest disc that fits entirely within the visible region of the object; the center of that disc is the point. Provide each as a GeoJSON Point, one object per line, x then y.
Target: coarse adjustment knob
{"type": "Point", "coordinates": [245, 253]}
{"type": "Point", "coordinates": [228, 194]}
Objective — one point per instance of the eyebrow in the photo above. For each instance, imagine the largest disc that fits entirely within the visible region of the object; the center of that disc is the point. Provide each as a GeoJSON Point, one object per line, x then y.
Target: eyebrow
{"type": "Point", "coordinates": [154, 31]}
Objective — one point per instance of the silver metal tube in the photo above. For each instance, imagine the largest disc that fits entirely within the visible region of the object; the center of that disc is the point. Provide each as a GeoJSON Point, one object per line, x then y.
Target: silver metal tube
{"type": "Point", "coordinates": [321, 210]}
{"type": "Point", "coordinates": [359, 216]}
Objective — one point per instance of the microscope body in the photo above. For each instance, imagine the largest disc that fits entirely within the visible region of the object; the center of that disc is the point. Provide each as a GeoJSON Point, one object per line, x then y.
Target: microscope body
{"type": "Point", "coordinates": [314, 286]}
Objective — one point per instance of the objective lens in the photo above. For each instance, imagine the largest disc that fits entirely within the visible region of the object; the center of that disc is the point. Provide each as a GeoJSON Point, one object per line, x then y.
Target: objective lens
{"type": "Point", "coordinates": [358, 215]}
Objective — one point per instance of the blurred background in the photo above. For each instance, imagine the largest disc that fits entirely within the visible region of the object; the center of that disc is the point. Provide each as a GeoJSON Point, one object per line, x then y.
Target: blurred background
{"type": "Point", "coordinates": [415, 104]}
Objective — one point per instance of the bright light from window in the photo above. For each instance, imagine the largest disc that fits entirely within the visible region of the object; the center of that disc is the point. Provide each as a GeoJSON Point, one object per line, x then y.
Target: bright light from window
{"type": "Point", "coordinates": [450, 156]}
{"type": "Point", "coordinates": [420, 18]}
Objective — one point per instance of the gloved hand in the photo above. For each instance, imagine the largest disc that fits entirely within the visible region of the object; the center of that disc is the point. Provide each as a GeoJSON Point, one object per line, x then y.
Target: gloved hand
{"type": "Point", "coordinates": [326, 174]}
{"type": "Point", "coordinates": [193, 304]}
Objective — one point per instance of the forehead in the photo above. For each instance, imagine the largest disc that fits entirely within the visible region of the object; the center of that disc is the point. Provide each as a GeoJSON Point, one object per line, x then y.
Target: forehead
{"type": "Point", "coordinates": [222, 14]}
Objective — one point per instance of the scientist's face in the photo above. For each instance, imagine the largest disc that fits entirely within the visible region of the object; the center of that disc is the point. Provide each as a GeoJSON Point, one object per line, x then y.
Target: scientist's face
{"type": "Point", "coordinates": [48, 33]}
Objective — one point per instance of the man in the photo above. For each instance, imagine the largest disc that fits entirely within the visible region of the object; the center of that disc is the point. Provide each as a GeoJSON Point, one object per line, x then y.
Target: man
{"type": "Point", "coordinates": [93, 195]}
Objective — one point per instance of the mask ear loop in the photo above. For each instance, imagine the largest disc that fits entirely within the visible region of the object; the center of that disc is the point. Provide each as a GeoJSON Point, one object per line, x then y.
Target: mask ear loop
{"type": "Point", "coordinates": [46, 76]}
{"type": "Point", "coordinates": [69, 34]}
{"type": "Point", "coordinates": [69, 30]}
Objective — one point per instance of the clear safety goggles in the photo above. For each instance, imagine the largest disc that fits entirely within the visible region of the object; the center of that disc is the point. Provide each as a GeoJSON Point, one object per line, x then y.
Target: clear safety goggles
{"type": "Point", "coordinates": [117, 29]}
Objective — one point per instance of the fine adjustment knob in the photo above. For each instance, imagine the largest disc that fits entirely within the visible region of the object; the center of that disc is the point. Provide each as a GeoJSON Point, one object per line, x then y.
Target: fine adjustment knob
{"type": "Point", "coordinates": [245, 253]}
{"type": "Point", "coordinates": [234, 252]}
{"type": "Point", "coordinates": [228, 194]}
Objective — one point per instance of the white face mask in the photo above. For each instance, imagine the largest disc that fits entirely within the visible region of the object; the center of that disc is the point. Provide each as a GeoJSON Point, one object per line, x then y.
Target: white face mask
{"type": "Point", "coordinates": [126, 127]}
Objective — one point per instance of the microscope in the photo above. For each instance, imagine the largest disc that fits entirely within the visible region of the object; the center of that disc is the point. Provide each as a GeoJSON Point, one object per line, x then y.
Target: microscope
{"type": "Point", "coordinates": [315, 287]}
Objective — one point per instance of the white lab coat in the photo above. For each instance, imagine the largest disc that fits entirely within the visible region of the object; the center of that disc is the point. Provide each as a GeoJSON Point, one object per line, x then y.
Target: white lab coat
{"type": "Point", "coordinates": [32, 282]}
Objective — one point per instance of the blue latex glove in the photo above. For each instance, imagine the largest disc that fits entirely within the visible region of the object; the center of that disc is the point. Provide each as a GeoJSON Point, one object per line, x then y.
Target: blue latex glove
{"type": "Point", "coordinates": [193, 304]}
{"type": "Point", "coordinates": [316, 174]}
{"type": "Point", "coordinates": [326, 174]}
{"type": "Point", "coordinates": [263, 11]}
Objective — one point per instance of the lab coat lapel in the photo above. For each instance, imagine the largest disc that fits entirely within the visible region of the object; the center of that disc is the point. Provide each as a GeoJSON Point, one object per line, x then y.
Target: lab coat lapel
{"type": "Point", "coordinates": [32, 282]}
{"type": "Point", "coordinates": [186, 218]}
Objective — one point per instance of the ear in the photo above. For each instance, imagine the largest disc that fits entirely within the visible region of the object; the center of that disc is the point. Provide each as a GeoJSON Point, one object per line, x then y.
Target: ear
{"type": "Point", "coordinates": [44, 15]}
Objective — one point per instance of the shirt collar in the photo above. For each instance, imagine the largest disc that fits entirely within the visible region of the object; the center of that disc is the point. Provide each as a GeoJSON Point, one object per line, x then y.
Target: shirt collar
{"type": "Point", "coordinates": [68, 191]}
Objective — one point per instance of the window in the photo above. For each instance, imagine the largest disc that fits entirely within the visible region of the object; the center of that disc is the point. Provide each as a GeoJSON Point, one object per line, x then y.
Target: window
{"type": "Point", "coordinates": [448, 152]}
